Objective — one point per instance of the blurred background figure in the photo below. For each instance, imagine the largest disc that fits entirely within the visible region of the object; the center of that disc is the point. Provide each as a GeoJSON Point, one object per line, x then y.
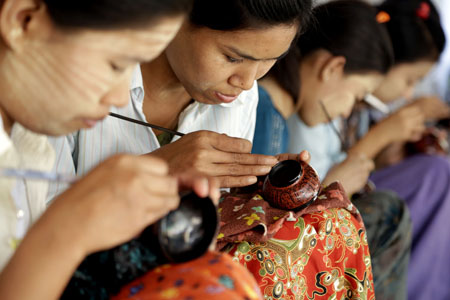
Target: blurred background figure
{"type": "Point", "coordinates": [339, 59]}
{"type": "Point", "coordinates": [422, 179]}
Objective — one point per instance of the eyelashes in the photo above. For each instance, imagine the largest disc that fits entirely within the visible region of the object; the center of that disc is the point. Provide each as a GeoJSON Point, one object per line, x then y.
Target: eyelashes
{"type": "Point", "coordinates": [234, 60]}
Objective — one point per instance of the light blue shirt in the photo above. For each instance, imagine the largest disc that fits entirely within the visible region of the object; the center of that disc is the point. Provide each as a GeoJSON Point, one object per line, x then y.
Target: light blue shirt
{"type": "Point", "coordinates": [320, 141]}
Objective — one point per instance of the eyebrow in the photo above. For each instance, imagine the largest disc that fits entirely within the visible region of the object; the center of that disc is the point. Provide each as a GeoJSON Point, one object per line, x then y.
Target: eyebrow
{"type": "Point", "coordinates": [249, 57]}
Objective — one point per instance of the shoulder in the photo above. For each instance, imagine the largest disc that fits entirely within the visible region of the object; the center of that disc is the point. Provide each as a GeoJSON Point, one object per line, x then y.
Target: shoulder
{"type": "Point", "coordinates": [264, 100]}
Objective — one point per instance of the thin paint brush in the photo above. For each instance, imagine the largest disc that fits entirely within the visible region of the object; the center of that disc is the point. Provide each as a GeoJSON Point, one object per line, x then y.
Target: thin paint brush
{"type": "Point", "coordinates": [146, 124]}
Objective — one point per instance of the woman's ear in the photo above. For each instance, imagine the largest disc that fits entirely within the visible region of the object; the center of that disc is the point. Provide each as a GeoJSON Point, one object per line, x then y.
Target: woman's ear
{"type": "Point", "coordinates": [332, 68]}
{"type": "Point", "coordinates": [20, 19]}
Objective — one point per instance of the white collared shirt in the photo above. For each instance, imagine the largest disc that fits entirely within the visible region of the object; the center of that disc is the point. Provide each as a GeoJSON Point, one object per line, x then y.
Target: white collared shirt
{"type": "Point", "coordinates": [21, 201]}
{"type": "Point", "coordinates": [80, 152]}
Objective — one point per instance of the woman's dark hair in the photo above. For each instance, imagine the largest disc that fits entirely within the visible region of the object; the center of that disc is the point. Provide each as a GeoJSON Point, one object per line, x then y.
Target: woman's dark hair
{"type": "Point", "coordinates": [106, 14]}
{"type": "Point", "coordinates": [345, 28]}
{"type": "Point", "coordinates": [249, 14]}
{"type": "Point", "coordinates": [415, 30]}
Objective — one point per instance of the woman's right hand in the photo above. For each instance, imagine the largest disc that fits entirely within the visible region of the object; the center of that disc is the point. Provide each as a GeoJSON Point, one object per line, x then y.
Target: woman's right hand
{"type": "Point", "coordinates": [352, 173]}
{"type": "Point", "coordinates": [228, 159]}
{"type": "Point", "coordinates": [115, 202]}
{"type": "Point", "coordinates": [406, 124]}
{"type": "Point", "coordinates": [109, 206]}
{"type": "Point", "coordinates": [432, 107]}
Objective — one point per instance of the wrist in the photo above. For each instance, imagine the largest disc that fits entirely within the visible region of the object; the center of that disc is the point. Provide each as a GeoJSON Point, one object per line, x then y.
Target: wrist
{"type": "Point", "coordinates": [61, 237]}
{"type": "Point", "coordinates": [383, 134]}
{"type": "Point", "coordinates": [328, 180]}
{"type": "Point", "coordinates": [43, 263]}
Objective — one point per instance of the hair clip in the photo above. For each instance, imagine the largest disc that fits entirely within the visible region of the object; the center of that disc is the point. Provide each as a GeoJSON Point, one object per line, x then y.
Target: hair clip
{"type": "Point", "coordinates": [383, 17]}
{"type": "Point", "coordinates": [423, 11]}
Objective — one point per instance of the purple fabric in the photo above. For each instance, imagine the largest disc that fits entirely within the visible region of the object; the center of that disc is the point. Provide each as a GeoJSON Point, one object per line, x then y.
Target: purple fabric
{"type": "Point", "coordinates": [423, 181]}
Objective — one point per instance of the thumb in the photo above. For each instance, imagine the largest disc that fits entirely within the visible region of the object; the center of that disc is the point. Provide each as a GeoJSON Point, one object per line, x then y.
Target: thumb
{"type": "Point", "coordinates": [305, 156]}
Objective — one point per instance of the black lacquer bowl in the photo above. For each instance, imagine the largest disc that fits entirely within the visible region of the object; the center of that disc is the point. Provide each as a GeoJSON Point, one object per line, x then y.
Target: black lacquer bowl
{"type": "Point", "coordinates": [185, 233]}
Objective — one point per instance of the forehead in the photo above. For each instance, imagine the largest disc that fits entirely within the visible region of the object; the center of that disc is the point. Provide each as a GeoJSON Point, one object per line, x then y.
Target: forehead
{"type": "Point", "coordinates": [265, 42]}
{"type": "Point", "coordinates": [136, 42]}
{"type": "Point", "coordinates": [411, 70]}
{"type": "Point", "coordinates": [369, 82]}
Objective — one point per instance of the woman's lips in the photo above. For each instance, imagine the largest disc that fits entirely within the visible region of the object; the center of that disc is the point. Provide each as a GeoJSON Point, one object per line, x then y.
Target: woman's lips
{"type": "Point", "coordinates": [226, 98]}
{"type": "Point", "coordinates": [92, 122]}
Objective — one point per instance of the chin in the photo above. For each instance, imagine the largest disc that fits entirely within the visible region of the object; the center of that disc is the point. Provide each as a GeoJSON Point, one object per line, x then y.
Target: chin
{"type": "Point", "coordinates": [206, 99]}
{"type": "Point", "coordinates": [314, 124]}
{"type": "Point", "coordinates": [308, 121]}
{"type": "Point", "coordinates": [56, 130]}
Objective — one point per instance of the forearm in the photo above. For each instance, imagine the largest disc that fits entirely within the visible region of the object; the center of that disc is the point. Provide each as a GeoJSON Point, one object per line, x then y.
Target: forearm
{"type": "Point", "coordinates": [372, 143]}
{"type": "Point", "coordinates": [42, 265]}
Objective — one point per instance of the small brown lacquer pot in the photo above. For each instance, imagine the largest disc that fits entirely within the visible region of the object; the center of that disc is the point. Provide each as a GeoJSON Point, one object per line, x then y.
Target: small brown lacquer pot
{"type": "Point", "coordinates": [291, 185]}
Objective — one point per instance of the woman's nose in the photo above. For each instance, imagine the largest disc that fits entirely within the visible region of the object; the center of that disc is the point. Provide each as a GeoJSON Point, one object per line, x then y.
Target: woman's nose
{"type": "Point", "coordinates": [119, 95]}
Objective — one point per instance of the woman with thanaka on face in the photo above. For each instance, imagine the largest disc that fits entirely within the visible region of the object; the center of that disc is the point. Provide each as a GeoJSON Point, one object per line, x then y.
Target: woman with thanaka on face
{"type": "Point", "coordinates": [199, 65]}
{"type": "Point", "coordinates": [219, 52]}
{"type": "Point", "coordinates": [343, 56]}
{"type": "Point", "coordinates": [202, 85]}
{"type": "Point", "coordinates": [57, 54]}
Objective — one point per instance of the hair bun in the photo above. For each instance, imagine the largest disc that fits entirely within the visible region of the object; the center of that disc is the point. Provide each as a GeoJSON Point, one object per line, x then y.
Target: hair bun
{"type": "Point", "coordinates": [423, 11]}
{"type": "Point", "coordinates": [383, 17]}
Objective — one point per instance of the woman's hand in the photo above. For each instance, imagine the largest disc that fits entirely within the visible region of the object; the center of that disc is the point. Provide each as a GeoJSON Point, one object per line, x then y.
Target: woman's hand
{"type": "Point", "coordinates": [109, 206]}
{"type": "Point", "coordinates": [115, 202]}
{"type": "Point", "coordinates": [201, 185]}
{"type": "Point", "coordinates": [432, 107]}
{"type": "Point", "coordinates": [406, 124]}
{"type": "Point", "coordinates": [216, 155]}
{"type": "Point", "coordinates": [390, 155]}
{"type": "Point", "coordinates": [352, 173]}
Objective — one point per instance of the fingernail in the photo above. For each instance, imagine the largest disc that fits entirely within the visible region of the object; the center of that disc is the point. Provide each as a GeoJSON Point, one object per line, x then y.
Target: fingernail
{"type": "Point", "coordinates": [307, 155]}
{"type": "Point", "coordinates": [205, 183]}
{"type": "Point", "coordinates": [264, 170]}
{"type": "Point", "coordinates": [271, 160]}
{"type": "Point", "coordinates": [252, 180]}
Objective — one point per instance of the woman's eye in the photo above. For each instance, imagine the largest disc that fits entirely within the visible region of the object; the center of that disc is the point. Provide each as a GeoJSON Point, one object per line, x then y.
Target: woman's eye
{"type": "Point", "coordinates": [233, 60]}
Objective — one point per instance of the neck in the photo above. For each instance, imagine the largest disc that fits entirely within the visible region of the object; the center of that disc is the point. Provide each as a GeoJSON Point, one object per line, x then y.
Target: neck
{"type": "Point", "coordinates": [7, 120]}
{"type": "Point", "coordinates": [281, 99]}
{"type": "Point", "coordinates": [165, 97]}
{"type": "Point", "coordinates": [307, 85]}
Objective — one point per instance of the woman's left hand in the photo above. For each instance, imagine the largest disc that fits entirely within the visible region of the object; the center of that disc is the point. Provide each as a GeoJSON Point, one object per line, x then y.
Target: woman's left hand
{"type": "Point", "coordinates": [201, 185]}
